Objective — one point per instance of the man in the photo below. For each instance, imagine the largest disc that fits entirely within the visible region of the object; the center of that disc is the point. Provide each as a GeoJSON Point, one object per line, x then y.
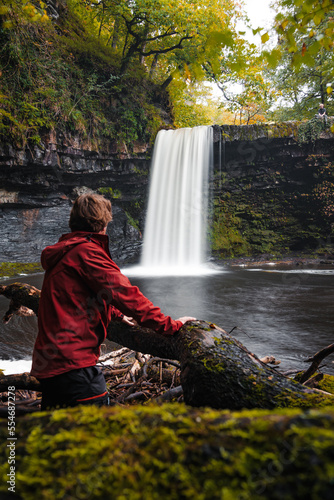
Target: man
{"type": "Point", "coordinates": [83, 289]}
{"type": "Point", "coordinates": [322, 111]}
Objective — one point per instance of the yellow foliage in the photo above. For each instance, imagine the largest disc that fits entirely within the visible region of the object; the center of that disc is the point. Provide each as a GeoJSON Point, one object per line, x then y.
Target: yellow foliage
{"type": "Point", "coordinates": [264, 37]}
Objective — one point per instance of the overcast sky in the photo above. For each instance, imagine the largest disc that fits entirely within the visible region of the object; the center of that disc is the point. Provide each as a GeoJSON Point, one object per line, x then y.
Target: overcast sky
{"type": "Point", "coordinates": [261, 15]}
{"type": "Point", "coordinates": [259, 12]}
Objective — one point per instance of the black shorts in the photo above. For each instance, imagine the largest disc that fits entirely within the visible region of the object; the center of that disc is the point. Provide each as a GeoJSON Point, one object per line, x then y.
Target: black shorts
{"type": "Point", "coordinates": [84, 386]}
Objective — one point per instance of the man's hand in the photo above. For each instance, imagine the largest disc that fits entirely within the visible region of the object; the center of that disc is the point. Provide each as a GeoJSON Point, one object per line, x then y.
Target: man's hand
{"type": "Point", "coordinates": [129, 321]}
{"type": "Point", "coordinates": [184, 319]}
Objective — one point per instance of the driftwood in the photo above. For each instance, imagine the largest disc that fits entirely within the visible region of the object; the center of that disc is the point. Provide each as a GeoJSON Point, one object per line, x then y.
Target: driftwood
{"type": "Point", "coordinates": [136, 377]}
{"type": "Point", "coordinates": [131, 378]}
{"type": "Point", "coordinates": [316, 360]}
{"type": "Point", "coordinates": [24, 300]}
{"type": "Point", "coordinates": [215, 369]}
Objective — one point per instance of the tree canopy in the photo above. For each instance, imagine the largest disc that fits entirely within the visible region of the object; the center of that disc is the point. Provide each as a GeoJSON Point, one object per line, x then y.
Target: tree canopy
{"type": "Point", "coordinates": [96, 66]}
{"type": "Point", "coordinates": [292, 72]}
{"type": "Point", "coordinates": [307, 26]}
{"type": "Point", "coordinates": [164, 35]}
{"type": "Point", "coordinates": [303, 57]}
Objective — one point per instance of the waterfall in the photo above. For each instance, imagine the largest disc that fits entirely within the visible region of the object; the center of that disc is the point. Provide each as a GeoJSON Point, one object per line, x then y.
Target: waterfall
{"type": "Point", "coordinates": [175, 230]}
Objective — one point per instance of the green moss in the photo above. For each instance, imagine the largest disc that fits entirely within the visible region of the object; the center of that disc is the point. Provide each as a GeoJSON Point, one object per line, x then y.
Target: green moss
{"type": "Point", "coordinates": [114, 194]}
{"type": "Point", "coordinates": [303, 401]}
{"type": "Point", "coordinates": [134, 223]}
{"type": "Point", "coordinates": [259, 131]}
{"type": "Point", "coordinates": [327, 383]}
{"type": "Point", "coordinates": [225, 235]}
{"type": "Point", "coordinates": [172, 452]}
{"type": "Point", "coordinates": [12, 269]}
{"type": "Point", "coordinates": [294, 213]}
{"type": "Point", "coordinates": [213, 365]}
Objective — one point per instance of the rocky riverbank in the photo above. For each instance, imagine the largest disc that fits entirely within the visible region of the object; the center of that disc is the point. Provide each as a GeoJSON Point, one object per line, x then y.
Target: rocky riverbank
{"type": "Point", "coordinates": [284, 262]}
{"type": "Point", "coordinates": [15, 269]}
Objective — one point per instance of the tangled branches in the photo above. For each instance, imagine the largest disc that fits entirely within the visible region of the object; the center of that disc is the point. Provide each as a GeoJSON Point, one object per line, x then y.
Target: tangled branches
{"type": "Point", "coordinates": [134, 377]}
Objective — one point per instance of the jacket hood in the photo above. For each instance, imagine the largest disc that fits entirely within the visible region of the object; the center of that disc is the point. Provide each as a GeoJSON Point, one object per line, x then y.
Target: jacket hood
{"type": "Point", "coordinates": [52, 254]}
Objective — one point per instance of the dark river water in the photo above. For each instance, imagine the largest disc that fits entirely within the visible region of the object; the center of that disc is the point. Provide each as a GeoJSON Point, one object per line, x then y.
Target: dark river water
{"type": "Point", "coordinates": [287, 314]}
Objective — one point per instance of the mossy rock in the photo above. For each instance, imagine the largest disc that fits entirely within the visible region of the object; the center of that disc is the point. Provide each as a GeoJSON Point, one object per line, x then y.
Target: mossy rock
{"type": "Point", "coordinates": [172, 452]}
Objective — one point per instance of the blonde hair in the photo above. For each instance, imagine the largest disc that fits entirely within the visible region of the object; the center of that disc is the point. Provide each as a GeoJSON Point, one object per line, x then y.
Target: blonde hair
{"type": "Point", "coordinates": [90, 212]}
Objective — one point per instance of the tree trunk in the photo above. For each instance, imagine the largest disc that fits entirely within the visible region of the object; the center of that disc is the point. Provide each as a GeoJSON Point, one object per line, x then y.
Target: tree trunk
{"type": "Point", "coordinates": [165, 84]}
{"type": "Point", "coordinates": [216, 369]}
{"type": "Point", "coordinates": [154, 65]}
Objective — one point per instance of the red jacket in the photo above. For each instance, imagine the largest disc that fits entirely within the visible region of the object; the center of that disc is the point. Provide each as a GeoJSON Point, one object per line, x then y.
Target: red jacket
{"type": "Point", "coordinates": [83, 290]}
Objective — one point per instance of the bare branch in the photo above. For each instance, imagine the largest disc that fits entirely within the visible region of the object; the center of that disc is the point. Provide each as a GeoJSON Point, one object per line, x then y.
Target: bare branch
{"type": "Point", "coordinates": [316, 360]}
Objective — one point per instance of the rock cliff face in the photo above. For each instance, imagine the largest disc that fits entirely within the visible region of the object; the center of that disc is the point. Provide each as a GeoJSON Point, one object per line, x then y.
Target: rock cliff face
{"type": "Point", "coordinates": [258, 169]}
{"type": "Point", "coordinates": [38, 185]}
{"type": "Point", "coordinates": [273, 190]}
{"type": "Point", "coordinates": [246, 149]}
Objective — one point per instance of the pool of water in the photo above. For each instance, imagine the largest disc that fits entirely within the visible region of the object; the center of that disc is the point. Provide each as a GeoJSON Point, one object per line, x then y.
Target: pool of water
{"type": "Point", "coordinates": [285, 313]}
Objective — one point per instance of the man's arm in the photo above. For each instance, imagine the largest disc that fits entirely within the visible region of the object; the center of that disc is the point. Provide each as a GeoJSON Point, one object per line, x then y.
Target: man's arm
{"type": "Point", "coordinates": [105, 279]}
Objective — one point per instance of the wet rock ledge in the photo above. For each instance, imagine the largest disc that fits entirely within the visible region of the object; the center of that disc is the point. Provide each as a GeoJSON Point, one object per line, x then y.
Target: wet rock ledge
{"type": "Point", "coordinates": [39, 183]}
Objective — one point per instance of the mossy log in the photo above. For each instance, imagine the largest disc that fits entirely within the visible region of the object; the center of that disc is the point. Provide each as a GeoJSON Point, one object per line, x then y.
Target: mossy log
{"type": "Point", "coordinates": [216, 369]}
{"type": "Point", "coordinates": [170, 452]}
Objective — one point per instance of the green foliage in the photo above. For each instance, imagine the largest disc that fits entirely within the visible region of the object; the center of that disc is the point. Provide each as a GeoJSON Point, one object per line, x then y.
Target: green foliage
{"type": "Point", "coordinates": [303, 58]}
{"type": "Point", "coordinates": [311, 20]}
{"type": "Point", "coordinates": [100, 70]}
{"type": "Point", "coordinates": [246, 88]}
{"type": "Point", "coordinates": [172, 452]}
{"type": "Point", "coordinates": [60, 76]}
{"type": "Point", "coordinates": [164, 34]}
{"type": "Point", "coordinates": [193, 105]}
{"type": "Point", "coordinates": [91, 71]}
{"type": "Point", "coordinates": [133, 123]}
{"type": "Point", "coordinates": [311, 130]}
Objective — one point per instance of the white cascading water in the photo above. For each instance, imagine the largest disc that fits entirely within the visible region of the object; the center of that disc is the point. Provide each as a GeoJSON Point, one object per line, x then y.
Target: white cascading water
{"type": "Point", "coordinates": [175, 231]}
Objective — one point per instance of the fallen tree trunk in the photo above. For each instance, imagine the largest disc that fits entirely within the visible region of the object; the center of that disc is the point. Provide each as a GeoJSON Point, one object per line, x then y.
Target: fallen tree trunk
{"type": "Point", "coordinates": [216, 369]}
